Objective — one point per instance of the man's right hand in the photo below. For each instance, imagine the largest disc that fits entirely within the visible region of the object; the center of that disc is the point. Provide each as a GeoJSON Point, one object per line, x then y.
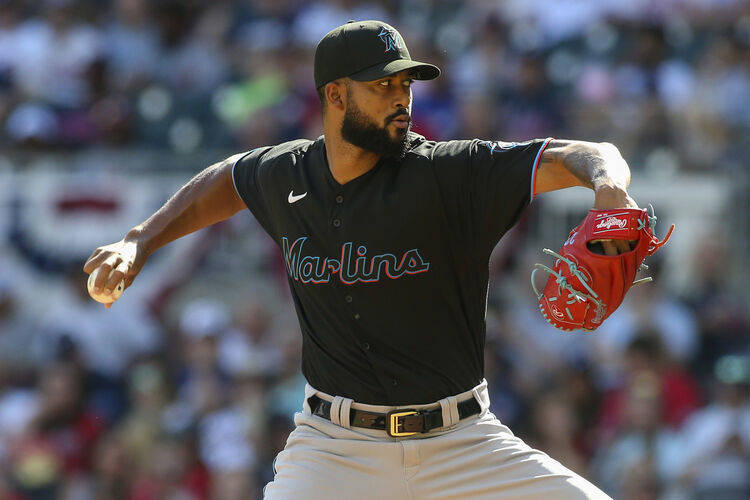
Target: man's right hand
{"type": "Point", "coordinates": [126, 257]}
{"type": "Point", "coordinates": [208, 198]}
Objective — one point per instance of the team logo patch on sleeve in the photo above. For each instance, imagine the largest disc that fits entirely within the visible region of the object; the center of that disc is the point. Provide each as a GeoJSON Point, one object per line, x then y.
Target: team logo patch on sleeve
{"type": "Point", "coordinates": [500, 145]}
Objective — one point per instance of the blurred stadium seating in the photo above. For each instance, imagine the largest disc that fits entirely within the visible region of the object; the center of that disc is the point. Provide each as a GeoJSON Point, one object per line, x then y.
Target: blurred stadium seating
{"type": "Point", "coordinates": [187, 386]}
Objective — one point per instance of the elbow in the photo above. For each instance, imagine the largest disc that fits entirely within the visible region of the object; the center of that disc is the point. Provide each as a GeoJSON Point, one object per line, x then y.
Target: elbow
{"type": "Point", "coordinates": [616, 166]}
{"type": "Point", "coordinates": [607, 149]}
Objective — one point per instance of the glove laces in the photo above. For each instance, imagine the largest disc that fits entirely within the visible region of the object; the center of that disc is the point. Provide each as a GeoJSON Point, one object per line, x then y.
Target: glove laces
{"type": "Point", "coordinates": [562, 283]}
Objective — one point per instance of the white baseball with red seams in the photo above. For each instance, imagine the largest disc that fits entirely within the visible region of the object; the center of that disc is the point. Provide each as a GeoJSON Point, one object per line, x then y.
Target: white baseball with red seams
{"type": "Point", "coordinates": [101, 297]}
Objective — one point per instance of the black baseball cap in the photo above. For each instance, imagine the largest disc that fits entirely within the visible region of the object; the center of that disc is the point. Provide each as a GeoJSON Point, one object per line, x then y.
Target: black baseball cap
{"type": "Point", "coordinates": [365, 51]}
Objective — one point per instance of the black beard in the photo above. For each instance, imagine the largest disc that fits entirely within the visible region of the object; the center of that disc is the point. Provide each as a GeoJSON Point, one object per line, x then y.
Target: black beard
{"type": "Point", "coordinates": [357, 129]}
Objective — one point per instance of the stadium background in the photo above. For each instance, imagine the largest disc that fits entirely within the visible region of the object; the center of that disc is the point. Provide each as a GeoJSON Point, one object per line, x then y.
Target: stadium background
{"type": "Point", "coordinates": [186, 387]}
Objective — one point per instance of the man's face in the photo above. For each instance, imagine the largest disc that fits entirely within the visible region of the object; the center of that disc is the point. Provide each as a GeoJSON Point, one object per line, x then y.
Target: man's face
{"type": "Point", "coordinates": [378, 114]}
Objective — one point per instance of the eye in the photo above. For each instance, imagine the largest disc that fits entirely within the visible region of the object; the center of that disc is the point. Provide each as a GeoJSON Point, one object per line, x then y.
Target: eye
{"type": "Point", "coordinates": [408, 82]}
{"type": "Point", "coordinates": [384, 83]}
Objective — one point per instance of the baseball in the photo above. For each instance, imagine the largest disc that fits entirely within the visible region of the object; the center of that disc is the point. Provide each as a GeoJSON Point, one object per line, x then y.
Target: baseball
{"type": "Point", "coordinates": [100, 297]}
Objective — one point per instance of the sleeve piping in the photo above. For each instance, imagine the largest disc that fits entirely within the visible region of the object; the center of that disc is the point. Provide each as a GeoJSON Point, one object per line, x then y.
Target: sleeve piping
{"type": "Point", "coordinates": [234, 180]}
{"type": "Point", "coordinates": [535, 166]}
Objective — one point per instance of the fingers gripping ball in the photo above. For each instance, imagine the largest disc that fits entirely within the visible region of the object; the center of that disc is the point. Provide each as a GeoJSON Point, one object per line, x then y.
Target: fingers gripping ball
{"type": "Point", "coordinates": [101, 297]}
{"type": "Point", "coordinates": [585, 287]}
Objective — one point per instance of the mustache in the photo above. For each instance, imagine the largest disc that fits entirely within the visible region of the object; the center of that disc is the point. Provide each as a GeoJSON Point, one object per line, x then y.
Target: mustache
{"type": "Point", "coordinates": [400, 114]}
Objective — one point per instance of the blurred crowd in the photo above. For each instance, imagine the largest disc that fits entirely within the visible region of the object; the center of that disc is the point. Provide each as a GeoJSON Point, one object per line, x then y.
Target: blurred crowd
{"type": "Point", "coordinates": [191, 395]}
{"type": "Point", "coordinates": [666, 80]}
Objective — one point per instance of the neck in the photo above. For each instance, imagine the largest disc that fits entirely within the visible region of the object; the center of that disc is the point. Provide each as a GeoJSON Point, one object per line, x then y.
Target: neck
{"type": "Point", "coordinates": [345, 160]}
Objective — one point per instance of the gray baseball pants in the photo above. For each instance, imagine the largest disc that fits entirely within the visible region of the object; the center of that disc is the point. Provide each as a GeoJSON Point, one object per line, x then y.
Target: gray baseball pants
{"type": "Point", "coordinates": [475, 458]}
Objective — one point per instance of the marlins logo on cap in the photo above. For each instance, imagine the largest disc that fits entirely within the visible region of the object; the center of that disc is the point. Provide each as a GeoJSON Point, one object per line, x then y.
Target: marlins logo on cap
{"type": "Point", "coordinates": [354, 50]}
{"type": "Point", "coordinates": [390, 39]}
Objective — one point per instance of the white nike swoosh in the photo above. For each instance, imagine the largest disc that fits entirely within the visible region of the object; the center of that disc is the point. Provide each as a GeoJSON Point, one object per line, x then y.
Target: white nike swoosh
{"type": "Point", "coordinates": [292, 198]}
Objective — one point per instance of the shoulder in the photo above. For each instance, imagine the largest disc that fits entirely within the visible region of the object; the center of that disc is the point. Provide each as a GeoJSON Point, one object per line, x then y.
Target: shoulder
{"type": "Point", "coordinates": [437, 151]}
{"type": "Point", "coordinates": [274, 158]}
{"type": "Point", "coordinates": [286, 152]}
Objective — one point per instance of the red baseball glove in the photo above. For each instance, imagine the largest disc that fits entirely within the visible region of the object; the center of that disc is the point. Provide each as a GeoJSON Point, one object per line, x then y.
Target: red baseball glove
{"type": "Point", "coordinates": [585, 287]}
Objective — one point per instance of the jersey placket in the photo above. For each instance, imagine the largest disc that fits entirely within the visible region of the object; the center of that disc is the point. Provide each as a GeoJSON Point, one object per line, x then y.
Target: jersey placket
{"type": "Point", "coordinates": [342, 202]}
{"type": "Point", "coordinates": [346, 207]}
{"type": "Point", "coordinates": [339, 229]}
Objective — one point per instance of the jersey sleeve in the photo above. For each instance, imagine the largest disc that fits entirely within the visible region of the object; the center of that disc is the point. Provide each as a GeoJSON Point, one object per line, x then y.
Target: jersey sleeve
{"type": "Point", "coordinates": [247, 174]}
{"type": "Point", "coordinates": [502, 182]}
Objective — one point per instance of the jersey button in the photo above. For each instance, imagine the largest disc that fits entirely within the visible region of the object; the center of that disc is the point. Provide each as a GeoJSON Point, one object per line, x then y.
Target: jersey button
{"type": "Point", "coordinates": [348, 298]}
{"type": "Point", "coordinates": [339, 199]}
{"type": "Point", "coordinates": [366, 346]}
{"type": "Point", "coordinates": [336, 222]}
{"type": "Point", "coordinates": [394, 382]}
{"type": "Point", "coordinates": [356, 316]}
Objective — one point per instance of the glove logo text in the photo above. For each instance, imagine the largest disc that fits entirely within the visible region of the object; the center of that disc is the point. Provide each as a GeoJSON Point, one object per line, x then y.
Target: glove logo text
{"type": "Point", "coordinates": [556, 311]}
{"type": "Point", "coordinates": [611, 222]}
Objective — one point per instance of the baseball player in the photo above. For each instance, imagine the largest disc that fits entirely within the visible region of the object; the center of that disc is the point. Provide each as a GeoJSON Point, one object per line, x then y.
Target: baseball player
{"type": "Point", "coordinates": [386, 237]}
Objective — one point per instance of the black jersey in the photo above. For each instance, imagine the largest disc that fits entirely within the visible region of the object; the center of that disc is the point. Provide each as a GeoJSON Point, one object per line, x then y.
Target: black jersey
{"type": "Point", "coordinates": [389, 272]}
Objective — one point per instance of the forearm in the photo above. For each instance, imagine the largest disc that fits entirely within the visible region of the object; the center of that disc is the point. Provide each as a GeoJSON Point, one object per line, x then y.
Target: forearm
{"type": "Point", "coordinates": [594, 165]}
{"type": "Point", "coordinates": [207, 198]}
{"type": "Point", "coordinates": [598, 166]}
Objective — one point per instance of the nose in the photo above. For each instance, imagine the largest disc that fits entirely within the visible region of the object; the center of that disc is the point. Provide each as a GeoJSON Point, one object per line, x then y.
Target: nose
{"type": "Point", "coordinates": [403, 97]}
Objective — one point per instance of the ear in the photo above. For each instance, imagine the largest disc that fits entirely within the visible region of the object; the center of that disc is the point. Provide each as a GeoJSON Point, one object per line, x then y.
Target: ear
{"type": "Point", "coordinates": [336, 94]}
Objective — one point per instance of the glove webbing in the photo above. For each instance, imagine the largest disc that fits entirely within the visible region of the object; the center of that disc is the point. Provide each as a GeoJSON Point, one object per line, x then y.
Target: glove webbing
{"type": "Point", "coordinates": [652, 225]}
{"type": "Point", "coordinates": [562, 283]}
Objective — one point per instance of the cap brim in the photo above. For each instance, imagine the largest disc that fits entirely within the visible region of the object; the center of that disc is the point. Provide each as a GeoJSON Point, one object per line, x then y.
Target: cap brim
{"type": "Point", "coordinates": [424, 71]}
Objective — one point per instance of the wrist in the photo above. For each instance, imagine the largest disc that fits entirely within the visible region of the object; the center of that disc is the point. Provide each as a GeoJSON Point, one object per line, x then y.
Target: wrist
{"type": "Point", "coordinates": [138, 236]}
{"type": "Point", "coordinates": [609, 187]}
{"type": "Point", "coordinates": [612, 196]}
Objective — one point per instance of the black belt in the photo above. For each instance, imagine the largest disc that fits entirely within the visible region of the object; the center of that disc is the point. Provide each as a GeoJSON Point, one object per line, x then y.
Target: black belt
{"type": "Point", "coordinates": [401, 422]}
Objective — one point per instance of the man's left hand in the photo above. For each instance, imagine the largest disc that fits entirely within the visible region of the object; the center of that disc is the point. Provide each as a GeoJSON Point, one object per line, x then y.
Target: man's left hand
{"type": "Point", "coordinates": [607, 197]}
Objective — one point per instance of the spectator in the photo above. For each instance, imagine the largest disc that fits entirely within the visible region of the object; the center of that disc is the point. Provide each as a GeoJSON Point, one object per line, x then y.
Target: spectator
{"type": "Point", "coordinates": [649, 309]}
{"type": "Point", "coordinates": [19, 338]}
{"type": "Point", "coordinates": [55, 453]}
{"type": "Point", "coordinates": [183, 45]}
{"type": "Point", "coordinates": [252, 349]}
{"type": "Point", "coordinates": [675, 390]}
{"type": "Point", "coordinates": [717, 438]}
{"type": "Point", "coordinates": [203, 379]}
{"type": "Point", "coordinates": [132, 45]}
{"type": "Point", "coordinates": [722, 316]}
{"type": "Point", "coordinates": [226, 450]}
{"type": "Point", "coordinates": [53, 54]}
{"type": "Point", "coordinates": [103, 341]}
{"type": "Point", "coordinates": [167, 474]}
{"type": "Point", "coordinates": [107, 340]}
{"type": "Point", "coordinates": [555, 430]}
{"type": "Point", "coordinates": [146, 421]}
{"type": "Point", "coordinates": [114, 468]}
{"type": "Point", "coordinates": [644, 446]}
